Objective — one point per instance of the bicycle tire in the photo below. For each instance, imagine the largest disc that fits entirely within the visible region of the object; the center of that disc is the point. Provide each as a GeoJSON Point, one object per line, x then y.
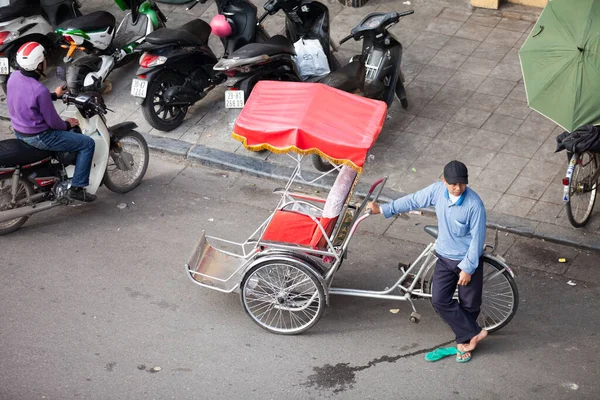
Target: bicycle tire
{"type": "Point", "coordinates": [486, 297]}
{"type": "Point", "coordinates": [579, 185]}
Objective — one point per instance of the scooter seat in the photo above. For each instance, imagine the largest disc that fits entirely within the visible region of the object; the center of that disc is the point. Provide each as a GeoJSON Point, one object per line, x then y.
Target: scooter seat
{"type": "Point", "coordinates": [193, 33]}
{"type": "Point", "coordinates": [275, 45]}
{"type": "Point", "coordinates": [20, 8]}
{"type": "Point", "coordinates": [92, 21]}
{"type": "Point", "coordinates": [199, 28]}
{"type": "Point", "coordinates": [349, 78]}
{"type": "Point", "coordinates": [15, 152]}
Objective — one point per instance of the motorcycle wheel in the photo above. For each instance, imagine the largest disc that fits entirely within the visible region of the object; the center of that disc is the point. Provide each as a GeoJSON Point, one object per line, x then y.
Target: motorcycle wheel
{"type": "Point", "coordinates": [155, 111]}
{"type": "Point", "coordinates": [24, 192]}
{"type": "Point", "coordinates": [132, 153]}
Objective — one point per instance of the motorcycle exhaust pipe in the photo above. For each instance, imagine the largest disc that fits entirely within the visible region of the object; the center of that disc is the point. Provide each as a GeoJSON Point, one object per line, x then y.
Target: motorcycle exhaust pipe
{"type": "Point", "coordinates": [29, 210]}
{"type": "Point", "coordinates": [181, 96]}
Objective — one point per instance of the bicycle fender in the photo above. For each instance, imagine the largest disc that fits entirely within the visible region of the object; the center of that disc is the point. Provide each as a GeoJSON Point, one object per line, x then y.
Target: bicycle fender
{"type": "Point", "coordinates": [500, 260]}
{"type": "Point", "coordinates": [295, 258]}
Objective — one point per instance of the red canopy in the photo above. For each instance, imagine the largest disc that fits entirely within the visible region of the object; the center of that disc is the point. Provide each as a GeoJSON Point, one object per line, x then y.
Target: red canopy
{"type": "Point", "coordinates": [310, 118]}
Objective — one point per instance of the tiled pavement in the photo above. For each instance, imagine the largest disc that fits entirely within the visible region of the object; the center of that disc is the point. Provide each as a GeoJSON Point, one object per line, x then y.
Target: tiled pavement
{"type": "Point", "coordinates": [466, 101]}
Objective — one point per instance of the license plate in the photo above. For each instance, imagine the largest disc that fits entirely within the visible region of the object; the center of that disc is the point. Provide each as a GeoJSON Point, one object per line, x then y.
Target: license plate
{"type": "Point", "coordinates": [139, 87]}
{"type": "Point", "coordinates": [234, 99]}
{"type": "Point", "coordinates": [4, 68]}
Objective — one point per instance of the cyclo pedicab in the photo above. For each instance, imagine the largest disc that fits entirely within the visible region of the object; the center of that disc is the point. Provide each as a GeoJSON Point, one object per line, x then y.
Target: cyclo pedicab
{"type": "Point", "coordinates": [284, 271]}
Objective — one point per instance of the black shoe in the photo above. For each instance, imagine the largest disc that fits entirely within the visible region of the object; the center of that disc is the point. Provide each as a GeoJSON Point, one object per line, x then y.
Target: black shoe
{"type": "Point", "coordinates": [79, 194]}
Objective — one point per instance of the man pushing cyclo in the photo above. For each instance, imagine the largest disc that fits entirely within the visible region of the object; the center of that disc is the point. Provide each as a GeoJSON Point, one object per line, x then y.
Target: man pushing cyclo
{"type": "Point", "coordinates": [459, 247]}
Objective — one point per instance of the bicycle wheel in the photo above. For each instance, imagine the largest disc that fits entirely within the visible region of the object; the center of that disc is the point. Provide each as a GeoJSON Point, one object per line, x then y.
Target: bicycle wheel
{"type": "Point", "coordinates": [283, 296]}
{"type": "Point", "coordinates": [582, 190]}
{"type": "Point", "coordinates": [500, 298]}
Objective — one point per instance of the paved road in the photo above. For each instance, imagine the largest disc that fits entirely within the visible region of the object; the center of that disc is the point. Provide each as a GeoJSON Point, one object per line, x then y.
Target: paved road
{"type": "Point", "coordinates": [94, 297]}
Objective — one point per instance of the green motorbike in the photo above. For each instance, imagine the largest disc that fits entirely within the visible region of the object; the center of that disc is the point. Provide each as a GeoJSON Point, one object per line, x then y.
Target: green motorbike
{"type": "Point", "coordinates": [106, 47]}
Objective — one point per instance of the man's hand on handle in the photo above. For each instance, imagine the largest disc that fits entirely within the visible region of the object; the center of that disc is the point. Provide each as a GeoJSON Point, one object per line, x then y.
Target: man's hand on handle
{"type": "Point", "coordinates": [464, 278]}
{"type": "Point", "coordinates": [373, 208]}
{"type": "Point", "coordinates": [59, 91]}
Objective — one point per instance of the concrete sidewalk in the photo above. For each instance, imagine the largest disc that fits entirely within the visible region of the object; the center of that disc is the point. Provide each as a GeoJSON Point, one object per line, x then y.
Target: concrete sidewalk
{"type": "Point", "coordinates": [466, 101]}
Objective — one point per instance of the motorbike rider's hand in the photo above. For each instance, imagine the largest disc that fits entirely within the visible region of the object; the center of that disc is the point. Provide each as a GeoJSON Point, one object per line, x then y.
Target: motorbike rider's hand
{"type": "Point", "coordinates": [73, 122]}
{"type": "Point", "coordinates": [59, 91]}
{"type": "Point", "coordinates": [374, 208]}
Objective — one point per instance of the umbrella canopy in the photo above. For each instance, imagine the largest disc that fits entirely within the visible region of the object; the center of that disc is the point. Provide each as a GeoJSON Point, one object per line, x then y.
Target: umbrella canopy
{"type": "Point", "coordinates": [560, 61]}
{"type": "Point", "coordinates": [310, 118]}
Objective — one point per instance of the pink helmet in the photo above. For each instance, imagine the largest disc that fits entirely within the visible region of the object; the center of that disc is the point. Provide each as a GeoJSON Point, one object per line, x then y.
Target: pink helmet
{"type": "Point", "coordinates": [220, 26]}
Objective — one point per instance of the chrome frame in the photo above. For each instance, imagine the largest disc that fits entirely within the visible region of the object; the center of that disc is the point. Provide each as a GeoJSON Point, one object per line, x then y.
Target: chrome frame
{"type": "Point", "coordinates": [255, 240]}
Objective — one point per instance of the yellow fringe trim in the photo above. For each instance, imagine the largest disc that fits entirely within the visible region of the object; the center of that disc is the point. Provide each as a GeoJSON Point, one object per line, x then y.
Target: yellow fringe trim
{"type": "Point", "coordinates": [279, 150]}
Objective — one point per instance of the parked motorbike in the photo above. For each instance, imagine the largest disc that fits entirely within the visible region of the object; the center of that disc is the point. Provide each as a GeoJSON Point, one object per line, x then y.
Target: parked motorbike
{"type": "Point", "coordinates": [176, 69]}
{"type": "Point", "coordinates": [24, 21]}
{"type": "Point", "coordinates": [381, 57]}
{"type": "Point", "coordinates": [273, 60]}
{"type": "Point", "coordinates": [108, 48]}
{"type": "Point", "coordinates": [33, 180]}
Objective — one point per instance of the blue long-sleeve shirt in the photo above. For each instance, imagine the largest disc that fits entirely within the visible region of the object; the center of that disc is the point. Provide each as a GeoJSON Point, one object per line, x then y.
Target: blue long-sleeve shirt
{"type": "Point", "coordinates": [461, 225]}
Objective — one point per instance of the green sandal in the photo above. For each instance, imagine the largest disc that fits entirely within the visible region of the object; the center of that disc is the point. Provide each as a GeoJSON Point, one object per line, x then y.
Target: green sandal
{"type": "Point", "coordinates": [439, 353]}
{"type": "Point", "coordinates": [460, 359]}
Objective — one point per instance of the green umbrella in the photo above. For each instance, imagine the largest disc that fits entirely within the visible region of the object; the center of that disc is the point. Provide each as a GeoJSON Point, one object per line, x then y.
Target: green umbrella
{"type": "Point", "coordinates": [560, 61]}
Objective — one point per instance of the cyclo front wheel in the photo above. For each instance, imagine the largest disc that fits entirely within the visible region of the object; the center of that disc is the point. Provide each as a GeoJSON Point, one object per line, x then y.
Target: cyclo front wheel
{"type": "Point", "coordinates": [283, 296]}
{"type": "Point", "coordinates": [500, 298]}
{"type": "Point", "coordinates": [582, 190]}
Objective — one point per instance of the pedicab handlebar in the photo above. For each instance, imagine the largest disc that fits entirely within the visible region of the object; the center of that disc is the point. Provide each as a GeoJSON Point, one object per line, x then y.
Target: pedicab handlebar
{"type": "Point", "coordinates": [379, 184]}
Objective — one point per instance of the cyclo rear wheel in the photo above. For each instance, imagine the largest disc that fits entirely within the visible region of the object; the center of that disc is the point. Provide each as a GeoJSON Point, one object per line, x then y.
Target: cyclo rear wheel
{"type": "Point", "coordinates": [582, 190]}
{"type": "Point", "coordinates": [283, 296]}
{"type": "Point", "coordinates": [500, 299]}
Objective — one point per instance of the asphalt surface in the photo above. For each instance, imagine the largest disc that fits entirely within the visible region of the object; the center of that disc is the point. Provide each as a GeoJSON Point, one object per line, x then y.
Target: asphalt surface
{"type": "Point", "coordinates": [94, 297]}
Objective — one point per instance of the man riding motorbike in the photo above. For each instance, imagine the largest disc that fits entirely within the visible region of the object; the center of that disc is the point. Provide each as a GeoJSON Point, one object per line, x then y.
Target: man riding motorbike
{"type": "Point", "coordinates": [36, 122]}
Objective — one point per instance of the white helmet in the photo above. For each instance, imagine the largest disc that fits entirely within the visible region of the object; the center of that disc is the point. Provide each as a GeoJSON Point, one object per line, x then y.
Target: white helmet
{"type": "Point", "coordinates": [30, 55]}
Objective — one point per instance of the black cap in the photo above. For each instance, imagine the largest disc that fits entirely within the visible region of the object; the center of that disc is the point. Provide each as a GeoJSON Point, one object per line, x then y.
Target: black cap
{"type": "Point", "coordinates": [456, 172]}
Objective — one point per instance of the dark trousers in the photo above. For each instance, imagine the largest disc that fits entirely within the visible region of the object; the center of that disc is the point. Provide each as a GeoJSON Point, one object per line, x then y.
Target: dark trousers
{"type": "Point", "coordinates": [66, 141]}
{"type": "Point", "coordinates": [462, 317]}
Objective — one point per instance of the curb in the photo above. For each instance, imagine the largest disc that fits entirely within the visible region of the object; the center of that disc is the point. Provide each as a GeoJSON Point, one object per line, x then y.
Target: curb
{"type": "Point", "coordinates": [253, 166]}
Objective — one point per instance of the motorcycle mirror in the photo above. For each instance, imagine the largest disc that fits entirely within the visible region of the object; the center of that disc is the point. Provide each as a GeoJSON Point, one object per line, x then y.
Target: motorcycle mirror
{"type": "Point", "coordinates": [60, 73]}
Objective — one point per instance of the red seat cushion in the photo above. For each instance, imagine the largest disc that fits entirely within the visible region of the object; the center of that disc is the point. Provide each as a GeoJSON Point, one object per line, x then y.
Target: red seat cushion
{"type": "Point", "coordinates": [297, 228]}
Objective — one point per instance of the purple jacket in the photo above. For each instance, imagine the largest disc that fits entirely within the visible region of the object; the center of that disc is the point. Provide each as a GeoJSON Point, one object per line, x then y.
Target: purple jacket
{"type": "Point", "coordinates": [30, 106]}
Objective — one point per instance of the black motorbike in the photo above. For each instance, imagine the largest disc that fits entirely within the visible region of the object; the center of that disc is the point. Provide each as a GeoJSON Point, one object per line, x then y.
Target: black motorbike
{"type": "Point", "coordinates": [273, 60]}
{"type": "Point", "coordinates": [381, 57]}
{"type": "Point", "coordinates": [176, 69]}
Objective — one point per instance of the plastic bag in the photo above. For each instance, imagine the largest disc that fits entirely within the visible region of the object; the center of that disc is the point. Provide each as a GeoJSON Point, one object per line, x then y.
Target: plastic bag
{"type": "Point", "coordinates": [310, 58]}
